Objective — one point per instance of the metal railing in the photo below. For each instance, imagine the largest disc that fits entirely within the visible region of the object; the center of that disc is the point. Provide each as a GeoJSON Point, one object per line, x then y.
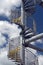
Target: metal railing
{"type": "Point", "coordinates": [30, 58]}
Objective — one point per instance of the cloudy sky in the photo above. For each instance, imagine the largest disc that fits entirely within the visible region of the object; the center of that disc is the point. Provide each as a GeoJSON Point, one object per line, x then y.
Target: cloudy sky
{"type": "Point", "coordinates": [8, 30]}
{"type": "Point", "coordinates": [6, 5]}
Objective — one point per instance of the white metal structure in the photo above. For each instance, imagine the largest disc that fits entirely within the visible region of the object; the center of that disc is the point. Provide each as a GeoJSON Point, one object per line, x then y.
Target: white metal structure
{"type": "Point", "coordinates": [34, 38]}
{"type": "Point", "coordinates": [30, 58]}
{"type": "Point", "coordinates": [16, 53]}
{"type": "Point", "coordinates": [15, 49]}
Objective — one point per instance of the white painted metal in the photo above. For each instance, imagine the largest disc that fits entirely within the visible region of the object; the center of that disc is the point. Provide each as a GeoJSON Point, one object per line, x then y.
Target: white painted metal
{"type": "Point", "coordinates": [34, 38]}
{"type": "Point", "coordinates": [15, 49]}
{"type": "Point", "coordinates": [30, 58]}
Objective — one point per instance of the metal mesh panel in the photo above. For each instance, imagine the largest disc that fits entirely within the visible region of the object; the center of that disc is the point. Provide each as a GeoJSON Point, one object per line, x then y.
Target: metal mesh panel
{"type": "Point", "coordinates": [30, 58]}
{"type": "Point", "coordinates": [15, 51]}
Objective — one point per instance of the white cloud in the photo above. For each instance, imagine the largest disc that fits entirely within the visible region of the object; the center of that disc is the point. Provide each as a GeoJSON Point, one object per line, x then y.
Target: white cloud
{"type": "Point", "coordinates": [2, 40]}
{"type": "Point", "coordinates": [40, 59]}
{"type": "Point", "coordinates": [10, 29]}
{"type": "Point", "coordinates": [3, 55]}
{"type": "Point", "coordinates": [6, 5]}
{"type": "Point", "coordinates": [40, 41]}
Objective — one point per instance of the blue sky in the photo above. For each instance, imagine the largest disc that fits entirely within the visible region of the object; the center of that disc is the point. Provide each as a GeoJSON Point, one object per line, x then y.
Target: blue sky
{"type": "Point", "coordinates": [38, 16]}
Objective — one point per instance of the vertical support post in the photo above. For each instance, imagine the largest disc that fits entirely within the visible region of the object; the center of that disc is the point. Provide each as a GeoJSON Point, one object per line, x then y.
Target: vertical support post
{"type": "Point", "coordinates": [23, 40]}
